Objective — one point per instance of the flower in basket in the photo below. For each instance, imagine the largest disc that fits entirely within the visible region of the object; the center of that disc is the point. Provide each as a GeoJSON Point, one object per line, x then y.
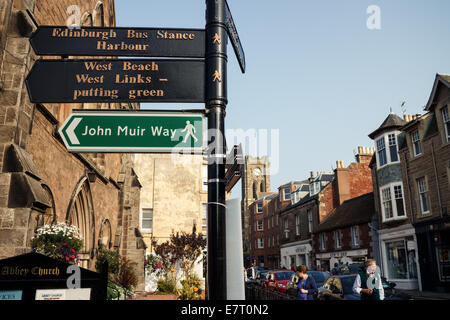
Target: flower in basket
{"type": "Point", "coordinates": [59, 241]}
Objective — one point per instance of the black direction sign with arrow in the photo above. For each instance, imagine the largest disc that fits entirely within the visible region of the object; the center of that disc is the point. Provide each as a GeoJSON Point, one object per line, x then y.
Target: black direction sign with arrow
{"type": "Point", "coordinates": [96, 41]}
{"type": "Point", "coordinates": [131, 80]}
{"type": "Point", "coordinates": [234, 37]}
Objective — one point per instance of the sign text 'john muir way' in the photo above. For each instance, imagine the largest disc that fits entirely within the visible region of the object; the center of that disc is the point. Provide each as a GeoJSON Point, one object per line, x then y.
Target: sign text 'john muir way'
{"type": "Point", "coordinates": [135, 132]}
{"type": "Point", "coordinates": [142, 42]}
{"type": "Point", "coordinates": [78, 81]}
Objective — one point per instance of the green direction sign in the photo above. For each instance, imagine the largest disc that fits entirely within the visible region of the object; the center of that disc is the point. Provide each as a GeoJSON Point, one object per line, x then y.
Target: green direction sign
{"type": "Point", "coordinates": [133, 131]}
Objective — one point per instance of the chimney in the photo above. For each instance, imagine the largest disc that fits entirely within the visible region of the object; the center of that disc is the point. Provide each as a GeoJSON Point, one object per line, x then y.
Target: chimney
{"type": "Point", "coordinates": [364, 155]}
{"type": "Point", "coordinates": [311, 177]}
{"type": "Point", "coordinates": [339, 164]}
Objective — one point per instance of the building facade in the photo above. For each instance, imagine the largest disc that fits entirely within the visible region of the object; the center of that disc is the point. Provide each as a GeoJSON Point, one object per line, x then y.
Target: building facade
{"type": "Point", "coordinates": [425, 162]}
{"type": "Point", "coordinates": [174, 196]}
{"type": "Point", "coordinates": [397, 236]}
{"type": "Point", "coordinates": [42, 183]}
{"type": "Point", "coordinates": [346, 236]}
{"type": "Point", "coordinates": [255, 180]}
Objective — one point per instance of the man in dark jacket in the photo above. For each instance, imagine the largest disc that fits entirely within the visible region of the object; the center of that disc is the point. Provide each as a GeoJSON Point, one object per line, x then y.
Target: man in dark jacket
{"type": "Point", "coordinates": [307, 288]}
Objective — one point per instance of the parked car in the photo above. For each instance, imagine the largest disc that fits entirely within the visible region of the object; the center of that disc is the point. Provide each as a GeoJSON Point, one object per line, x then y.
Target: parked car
{"type": "Point", "coordinates": [340, 287]}
{"type": "Point", "coordinates": [277, 280]}
{"type": "Point", "coordinates": [319, 277]}
{"type": "Point", "coordinates": [348, 269]}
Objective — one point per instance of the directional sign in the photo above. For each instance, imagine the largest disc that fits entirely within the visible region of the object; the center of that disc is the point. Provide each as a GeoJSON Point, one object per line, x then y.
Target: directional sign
{"type": "Point", "coordinates": [109, 131]}
{"type": "Point", "coordinates": [234, 36]}
{"type": "Point", "coordinates": [79, 81]}
{"type": "Point", "coordinates": [142, 42]}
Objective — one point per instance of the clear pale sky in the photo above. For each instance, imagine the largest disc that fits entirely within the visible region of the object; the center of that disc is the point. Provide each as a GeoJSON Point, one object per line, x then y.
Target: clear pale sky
{"type": "Point", "coordinates": [315, 71]}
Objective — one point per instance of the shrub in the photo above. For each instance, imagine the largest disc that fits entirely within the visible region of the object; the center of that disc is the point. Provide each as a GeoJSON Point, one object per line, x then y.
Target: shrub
{"type": "Point", "coordinates": [166, 285]}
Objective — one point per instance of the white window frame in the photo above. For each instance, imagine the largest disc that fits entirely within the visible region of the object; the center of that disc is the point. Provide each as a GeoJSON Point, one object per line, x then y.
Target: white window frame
{"type": "Point", "coordinates": [422, 188]}
{"type": "Point", "coordinates": [393, 199]}
{"type": "Point", "coordinates": [415, 137]}
{"type": "Point", "coordinates": [380, 145]}
{"type": "Point", "coordinates": [446, 122]}
{"type": "Point", "coordinates": [257, 207]}
{"type": "Point", "coordinates": [390, 144]}
{"type": "Point", "coordinates": [337, 239]}
{"type": "Point", "coordinates": [310, 220]}
{"type": "Point", "coordinates": [260, 243]}
{"type": "Point", "coordinates": [322, 245]}
{"type": "Point", "coordinates": [386, 146]}
{"type": "Point", "coordinates": [259, 225]}
{"type": "Point", "coordinates": [286, 227]}
{"type": "Point", "coordinates": [355, 236]}
{"type": "Point", "coordinates": [297, 224]}
{"type": "Point", "coordinates": [284, 194]}
{"type": "Point", "coordinates": [142, 219]}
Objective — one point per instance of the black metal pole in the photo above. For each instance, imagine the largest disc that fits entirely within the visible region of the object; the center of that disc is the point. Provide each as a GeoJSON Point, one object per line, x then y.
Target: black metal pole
{"type": "Point", "coordinates": [216, 101]}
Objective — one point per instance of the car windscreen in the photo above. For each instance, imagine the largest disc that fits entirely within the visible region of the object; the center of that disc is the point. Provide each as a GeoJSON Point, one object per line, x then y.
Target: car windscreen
{"type": "Point", "coordinates": [283, 275]}
{"type": "Point", "coordinates": [347, 284]}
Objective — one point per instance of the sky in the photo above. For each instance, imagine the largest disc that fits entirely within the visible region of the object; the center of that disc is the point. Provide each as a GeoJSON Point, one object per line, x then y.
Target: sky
{"type": "Point", "coordinates": [315, 71]}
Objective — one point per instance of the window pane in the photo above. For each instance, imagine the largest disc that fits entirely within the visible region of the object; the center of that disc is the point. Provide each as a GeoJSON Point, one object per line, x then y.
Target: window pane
{"type": "Point", "coordinates": [422, 186]}
{"type": "Point", "coordinates": [287, 194]}
{"type": "Point", "coordinates": [387, 204]}
{"type": "Point", "coordinates": [147, 219]}
{"type": "Point", "coordinates": [393, 147]}
{"type": "Point", "coordinates": [416, 141]}
{"type": "Point", "coordinates": [381, 148]}
{"type": "Point", "coordinates": [399, 201]}
{"type": "Point", "coordinates": [446, 122]}
{"type": "Point", "coordinates": [397, 260]}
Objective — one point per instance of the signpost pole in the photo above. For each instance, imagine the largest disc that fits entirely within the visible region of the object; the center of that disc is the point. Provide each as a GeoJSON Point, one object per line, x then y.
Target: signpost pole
{"type": "Point", "coordinates": [216, 101]}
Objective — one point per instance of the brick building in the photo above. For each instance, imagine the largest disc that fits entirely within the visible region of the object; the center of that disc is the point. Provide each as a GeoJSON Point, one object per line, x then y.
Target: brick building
{"type": "Point", "coordinates": [425, 163]}
{"type": "Point", "coordinates": [259, 233]}
{"type": "Point", "coordinates": [346, 236]}
{"type": "Point", "coordinates": [349, 183]}
{"type": "Point", "coordinates": [40, 182]}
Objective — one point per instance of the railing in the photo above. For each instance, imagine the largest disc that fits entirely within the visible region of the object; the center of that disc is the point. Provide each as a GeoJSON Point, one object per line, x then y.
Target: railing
{"type": "Point", "coordinates": [256, 292]}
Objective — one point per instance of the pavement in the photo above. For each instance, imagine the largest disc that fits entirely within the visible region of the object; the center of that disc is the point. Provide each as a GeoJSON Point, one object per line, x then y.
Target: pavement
{"type": "Point", "coordinates": [426, 295]}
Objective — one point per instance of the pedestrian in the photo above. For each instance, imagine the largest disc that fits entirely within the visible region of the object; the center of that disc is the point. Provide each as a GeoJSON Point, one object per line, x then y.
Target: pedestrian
{"type": "Point", "coordinates": [306, 287]}
{"type": "Point", "coordinates": [292, 268]}
{"type": "Point", "coordinates": [365, 277]}
{"type": "Point", "coordinates": [335, 269]}
{"type": "Point", "coordinates": [245, 275]}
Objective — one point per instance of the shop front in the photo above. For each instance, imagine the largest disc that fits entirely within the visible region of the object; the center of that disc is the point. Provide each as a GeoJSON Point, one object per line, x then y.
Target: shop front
{"type": "Point", "coordinates": [327, 260]}
{"type": "Point", "coordinates": [399, 256]}
{"type": "Point", "coordinates": [433, 239]}
{"type": "Point", "coordinates": [296, 253]}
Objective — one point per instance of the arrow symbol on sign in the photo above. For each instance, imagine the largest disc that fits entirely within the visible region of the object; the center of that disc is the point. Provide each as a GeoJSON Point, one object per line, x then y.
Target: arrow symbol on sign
{"type": "Point", "coordinates": [71, 131]}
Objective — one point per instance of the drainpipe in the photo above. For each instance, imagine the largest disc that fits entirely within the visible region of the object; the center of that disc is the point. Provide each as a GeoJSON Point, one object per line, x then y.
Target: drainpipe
{"type": "Point", "coordinates": [409, 188]}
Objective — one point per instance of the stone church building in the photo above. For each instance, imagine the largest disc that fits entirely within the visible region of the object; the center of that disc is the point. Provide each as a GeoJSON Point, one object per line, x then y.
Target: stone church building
{"type": "Point", "coordinates": [40, 181]}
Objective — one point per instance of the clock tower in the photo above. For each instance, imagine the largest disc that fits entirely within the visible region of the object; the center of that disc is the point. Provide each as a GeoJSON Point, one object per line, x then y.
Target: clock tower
{"type": "Point", "coordinates": [255, 180]}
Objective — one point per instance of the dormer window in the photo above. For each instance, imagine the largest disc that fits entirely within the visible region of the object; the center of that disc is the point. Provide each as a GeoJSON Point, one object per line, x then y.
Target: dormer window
{"type": "Point", "coordinates": [260, 207]}
{"type": "Point", "coordinates": [416, 143]}
{"type": "Point", "coordinates": [287, 194]}
{"type": "Point", "coordinates": [315, 188]}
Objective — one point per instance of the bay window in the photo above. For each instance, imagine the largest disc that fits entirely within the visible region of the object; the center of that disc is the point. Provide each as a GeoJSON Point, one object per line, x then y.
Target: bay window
{"type": "Point", "coordinates": [392, 202]}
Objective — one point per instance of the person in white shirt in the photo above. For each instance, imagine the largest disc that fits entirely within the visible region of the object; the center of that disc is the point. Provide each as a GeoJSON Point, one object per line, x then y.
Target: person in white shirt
{"type": "Point", "coordinates": [368, 282]}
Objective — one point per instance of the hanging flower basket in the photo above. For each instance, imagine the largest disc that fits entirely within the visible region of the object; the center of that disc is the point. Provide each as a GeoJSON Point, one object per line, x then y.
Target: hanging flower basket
{"type": "Point", "coordinates": [59, 241]}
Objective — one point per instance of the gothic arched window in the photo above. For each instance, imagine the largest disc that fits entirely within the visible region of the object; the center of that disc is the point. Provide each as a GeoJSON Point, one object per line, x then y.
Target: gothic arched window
{"type": "Point", "coordinates": [80, 213]}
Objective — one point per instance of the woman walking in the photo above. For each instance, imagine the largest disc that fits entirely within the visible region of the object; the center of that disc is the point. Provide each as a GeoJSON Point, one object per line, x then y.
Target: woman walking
{"type": "Point", "coordinates": [307, 288]}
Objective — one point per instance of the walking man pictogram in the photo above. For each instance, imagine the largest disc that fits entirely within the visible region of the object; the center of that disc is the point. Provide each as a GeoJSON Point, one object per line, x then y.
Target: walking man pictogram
{"type": "Point", "coordinates": [190, 131]}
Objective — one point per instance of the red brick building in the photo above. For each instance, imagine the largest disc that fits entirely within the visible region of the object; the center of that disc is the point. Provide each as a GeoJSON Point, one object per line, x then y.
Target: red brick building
{"type": "Point", "coordinates": [346, 236]}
